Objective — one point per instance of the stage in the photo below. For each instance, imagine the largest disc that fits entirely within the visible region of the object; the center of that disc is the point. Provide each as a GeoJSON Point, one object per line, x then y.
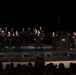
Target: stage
{"type": "Point", "coordinates": [28, 53]}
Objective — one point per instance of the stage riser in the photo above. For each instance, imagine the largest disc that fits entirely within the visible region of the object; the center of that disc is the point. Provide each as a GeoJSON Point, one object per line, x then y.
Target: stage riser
{"type": "Point", "coordinates": [34, 55]}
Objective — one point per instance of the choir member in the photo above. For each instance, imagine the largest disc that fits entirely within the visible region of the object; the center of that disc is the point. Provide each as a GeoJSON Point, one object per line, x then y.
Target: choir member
{"type": "Point", "coordinates": [12, 37]}
{"type": "Point", "coordinates": [23, 36]}
{"type": "Point", "coordinates": [38, 40]}
{"type": "Point", "coordinates": [34, 35]}
{"type": "Point", "coordinates": [41, 34]}
{"type": "Point", "coordinates": [17, 40]}
{"type": "Point", "coordinates": [6, 32]}
{"type": "Point", "coordinates": [2, 40]}
{"type": "Point", "coordinates": [9, 39]}
{"type": "Point", "coordinates": [29, 33]}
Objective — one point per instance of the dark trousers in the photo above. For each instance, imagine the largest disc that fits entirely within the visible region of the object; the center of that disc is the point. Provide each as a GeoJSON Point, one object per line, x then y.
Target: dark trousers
{"type": "Point", "coordinates": [54, 43]}
{"type": "Point", "coordinates": [2, 45]}
{"type": "Point", "coordinates": [17, 45]}
{"type": "Point", "coordinates": [29, 40]}
{"type": "Point", "coordinates": [38, 44]}
{"type": "Point", "coordinates": [9, 43]}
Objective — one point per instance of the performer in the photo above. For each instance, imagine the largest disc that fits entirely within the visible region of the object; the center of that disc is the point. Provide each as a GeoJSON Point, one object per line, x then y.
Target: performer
{"type": "Point", "coordinates": [54, 40]}
{"type": "Point", "coordinates": [23, 36]}
{"type": "Point", "coordinates": [12, 36]}
{"type": "Point", "coordinates": [73, 41]}
{"type": "Point", "coordinates": [34, 35]}
{"type": "Point", "coordinates": [9, 39]}
{"type": "Point", "coordinates": [6, 32]}
{"type": "Point", "coordinates": [29, 33]}
{"type": "Point", "coordinates": [68, 39]}
{"type": "Point", "coordinates": [2, 40]}
{"type": "Point", "coordinates": [41, 34]}
{"type": "Point", "coordinates": [63, 41]}
{"type": "Point", "coordinates": [17, 40]}
{"type": "Point", "coordinates": [0, 30]}
{"type": "Point", "coordinates": [38, 40]}
{"type": "Point", "coordinates": [12, 31]}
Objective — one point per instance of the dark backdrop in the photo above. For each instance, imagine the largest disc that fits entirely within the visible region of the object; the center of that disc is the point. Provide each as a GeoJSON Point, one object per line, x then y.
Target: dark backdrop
{"type": "Point", "coordinates": [40, 14]}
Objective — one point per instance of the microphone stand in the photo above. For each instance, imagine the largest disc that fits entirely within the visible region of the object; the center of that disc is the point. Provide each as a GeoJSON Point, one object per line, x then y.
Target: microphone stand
{"type": "Point", "coordinates": [59, 30]}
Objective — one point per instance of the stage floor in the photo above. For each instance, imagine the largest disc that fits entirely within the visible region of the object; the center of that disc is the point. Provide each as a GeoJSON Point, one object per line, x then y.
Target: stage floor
{"type": "Point", "coordinates": [28, 53]}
